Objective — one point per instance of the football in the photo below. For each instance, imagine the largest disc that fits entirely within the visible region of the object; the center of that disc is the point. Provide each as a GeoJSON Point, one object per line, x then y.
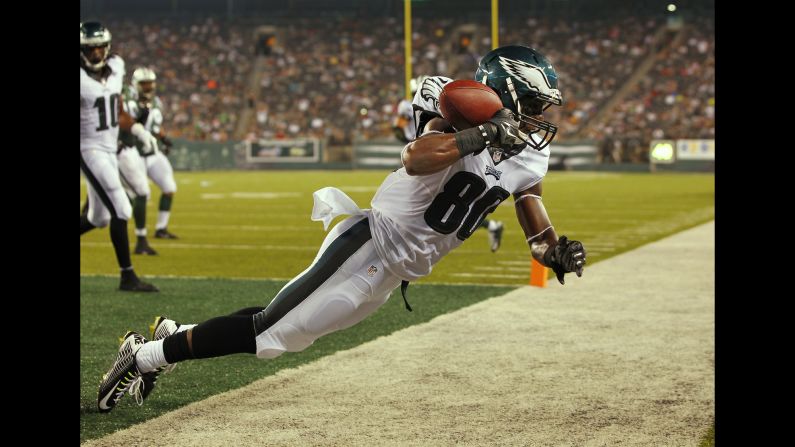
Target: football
{"type": "Point", "coordinates": [466, 103]}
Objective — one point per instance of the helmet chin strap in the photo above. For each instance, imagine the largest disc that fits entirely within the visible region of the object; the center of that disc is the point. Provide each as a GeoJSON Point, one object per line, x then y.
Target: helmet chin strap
{"type": "Point", "coordinates": [512, 91]}
{"type": "Point", "coordinates": [522, 136]}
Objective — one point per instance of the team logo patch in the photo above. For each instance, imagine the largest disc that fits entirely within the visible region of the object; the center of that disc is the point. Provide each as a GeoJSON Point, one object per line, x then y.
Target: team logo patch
{"type": "Point", "coordinates": [372, 270]}
{"type": "Point", "coordinates": [496, 157]}
{"type": "Point", "coordinates": [493, 171]}
{"type": "Point", "coordinates": [524, 72]}
{"type": "Point", "coordinates": [431, 88]}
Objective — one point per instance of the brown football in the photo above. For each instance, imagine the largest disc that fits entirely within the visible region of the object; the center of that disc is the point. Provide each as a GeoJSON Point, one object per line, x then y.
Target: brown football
{"type": "Point", "coordinates": [466, 103]}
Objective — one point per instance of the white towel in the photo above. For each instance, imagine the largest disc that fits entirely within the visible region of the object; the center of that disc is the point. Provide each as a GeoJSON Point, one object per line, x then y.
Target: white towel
{"type": "Point", "coordinates": [330, 202]}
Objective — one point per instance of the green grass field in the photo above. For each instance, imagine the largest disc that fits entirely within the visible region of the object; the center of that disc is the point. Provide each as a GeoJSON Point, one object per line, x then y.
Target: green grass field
{"type": "Point", "coordinates": [247, 233]}
{"type": "Point", "coordinates": [233, 224]}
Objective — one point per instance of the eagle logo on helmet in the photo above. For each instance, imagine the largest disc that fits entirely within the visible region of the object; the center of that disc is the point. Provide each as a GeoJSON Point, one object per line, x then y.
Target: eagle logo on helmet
{"type": "Point", "coordinates": [529, 75]}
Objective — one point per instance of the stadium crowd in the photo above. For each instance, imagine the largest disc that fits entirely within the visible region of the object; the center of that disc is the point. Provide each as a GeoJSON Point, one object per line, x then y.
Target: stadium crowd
{"type": "Point", "coordinates": [340, 78]}
{"type": "Point", "coordinates": [201, 67]}
{"type": "Point", "coordinates": [676, 99]}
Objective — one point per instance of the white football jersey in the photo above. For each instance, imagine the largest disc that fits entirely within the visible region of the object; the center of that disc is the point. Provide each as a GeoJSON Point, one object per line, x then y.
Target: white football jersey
{"type": "Point", "coordinates": [405, 110]}
{"type": "Point", "coordinates": [427, 101]}
{"type": "Point", "coordinates": [99, 108]}
{"type": "Point", "coordinates": [417, 220]}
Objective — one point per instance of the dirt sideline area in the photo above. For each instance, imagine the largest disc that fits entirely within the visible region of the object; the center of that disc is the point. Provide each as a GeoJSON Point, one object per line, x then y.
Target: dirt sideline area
{"type": "Point", "coordinates": [622, 356]}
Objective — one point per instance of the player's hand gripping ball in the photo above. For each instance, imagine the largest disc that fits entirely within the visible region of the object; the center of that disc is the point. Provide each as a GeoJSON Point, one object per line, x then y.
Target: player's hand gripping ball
{"type": "Point", "coordinates": [466, 103]}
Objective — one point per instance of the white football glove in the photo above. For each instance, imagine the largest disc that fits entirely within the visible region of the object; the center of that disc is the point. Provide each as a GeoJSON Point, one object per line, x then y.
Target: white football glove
{"type": "Point", "coordinates": [145, 137]}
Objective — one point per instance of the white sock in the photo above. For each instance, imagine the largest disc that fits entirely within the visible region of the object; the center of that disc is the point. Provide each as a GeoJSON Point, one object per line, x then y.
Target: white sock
{"type": "Point", "coordinates": [150, 356]}
{"type": "Point", "coordinates": [184, 327]}
{"type": "Point", "coordinates": [493, 225]}
{"type": "Point", "coordinates": [140, 232]}
{"type": "Point", "coordinates": [162, 219]}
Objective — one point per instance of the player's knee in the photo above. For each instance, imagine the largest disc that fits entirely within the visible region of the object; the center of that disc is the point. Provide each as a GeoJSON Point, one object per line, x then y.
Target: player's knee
{"type": "Point", "coordinates": [331, 316]}
{"type": "Point", "coordinates": [281, 338]}
{"type": "Point", "coordinates": [99, 221]}
{"type": "Point", "coordinates": [124, 212]}
{"type": "Point", "coordinates": [337, 312]}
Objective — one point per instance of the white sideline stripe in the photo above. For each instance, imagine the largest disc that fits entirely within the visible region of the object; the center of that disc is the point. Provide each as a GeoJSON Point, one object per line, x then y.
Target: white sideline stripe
{"type": "Point", "coordinates": [216, 246]}
{"type": "Point", "coordinates": [238, 278]}
{"type": "Point", "coordinates": [251, 195]}
{"type": "Point", "coordinates": [502, 269]}
{"type": "Point", "coordinates": [245, 227]}
{"type": "Point", "coordinates": [488, 275]}
{"type": "Point", "coordinates": [525, 263]}
{"type": "Point", "coordinates": [231, 278]}
{"type": "Point", "coordinates": [261, 247]}
{"type": "Point", "coordinates": [605, 360]}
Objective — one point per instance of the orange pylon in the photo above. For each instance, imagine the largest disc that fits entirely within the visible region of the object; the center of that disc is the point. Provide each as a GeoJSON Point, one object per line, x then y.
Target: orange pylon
{"type": "Point", "coordinates": [538, 274]}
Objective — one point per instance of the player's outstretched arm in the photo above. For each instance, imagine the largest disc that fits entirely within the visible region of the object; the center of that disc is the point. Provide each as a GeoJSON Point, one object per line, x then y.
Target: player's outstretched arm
{"type": "Point", "coordinates": [560, 254]}
{"type": "Point", "coordinates": [435, 151]}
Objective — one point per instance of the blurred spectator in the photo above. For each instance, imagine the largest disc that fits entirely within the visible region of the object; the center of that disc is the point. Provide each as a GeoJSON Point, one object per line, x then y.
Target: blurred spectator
{"type": "Point", "coordinates": [676, 98]}
{"type": "Point", "coordinates": [338, 78]}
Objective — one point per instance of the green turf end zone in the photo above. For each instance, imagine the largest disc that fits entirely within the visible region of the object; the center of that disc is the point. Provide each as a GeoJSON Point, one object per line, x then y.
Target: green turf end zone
{"type": "Point", "coordinates": [256, 224]}
{"type": "Point", "coordinates": [106, 314]}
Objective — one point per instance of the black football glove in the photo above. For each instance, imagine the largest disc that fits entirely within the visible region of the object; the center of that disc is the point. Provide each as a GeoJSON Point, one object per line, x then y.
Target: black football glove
{"type": "Point", "coordinates": [566, 257]}
{"type": "Point", "coordinates": [166, 145]}
{"type": "Point", "coordinates": [503, 133]}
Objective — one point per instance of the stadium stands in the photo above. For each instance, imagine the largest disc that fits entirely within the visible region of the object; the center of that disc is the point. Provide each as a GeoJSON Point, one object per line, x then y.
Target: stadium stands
{"type": "Point", "coordinates": [338, 78]}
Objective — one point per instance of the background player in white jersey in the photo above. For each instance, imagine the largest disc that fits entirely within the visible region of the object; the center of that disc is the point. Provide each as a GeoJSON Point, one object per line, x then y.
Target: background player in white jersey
{"type": "Point", "coordinates": [420, 213]}
{"type": "Point", "coordinates": [404, 125]}
{"type": "Point", "coordinates": [136, 163]}
{"type": "Point", "coordinates": [101, 117]}
{"type": "Point", "coordinates": [405, 128]}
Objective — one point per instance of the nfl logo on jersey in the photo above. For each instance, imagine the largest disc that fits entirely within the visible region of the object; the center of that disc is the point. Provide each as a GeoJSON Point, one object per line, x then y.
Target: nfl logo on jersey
{"type": "Point", "coordinates": [372, 270]}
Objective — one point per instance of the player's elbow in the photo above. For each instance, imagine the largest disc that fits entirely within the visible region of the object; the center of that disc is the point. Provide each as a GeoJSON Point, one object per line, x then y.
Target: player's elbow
{"type": "Point", "coordinates": [409, 159]}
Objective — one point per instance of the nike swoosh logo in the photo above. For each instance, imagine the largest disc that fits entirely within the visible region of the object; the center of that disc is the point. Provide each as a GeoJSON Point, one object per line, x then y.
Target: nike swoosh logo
{"type": "Point", "coordinates": [103, 404]}
{"type": "Point", "coordinates": [508, 131]}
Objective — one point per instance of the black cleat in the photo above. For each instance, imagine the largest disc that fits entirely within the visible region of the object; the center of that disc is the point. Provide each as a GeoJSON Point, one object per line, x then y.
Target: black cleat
{"type": "Point", "coordinates": [123, 375]}
{"type": "Point", "coordinates": [131, 283]}
{"type": "Point", "coordinates": [142, 247]}
{"type": "Point", "coordinates": [164, 234]}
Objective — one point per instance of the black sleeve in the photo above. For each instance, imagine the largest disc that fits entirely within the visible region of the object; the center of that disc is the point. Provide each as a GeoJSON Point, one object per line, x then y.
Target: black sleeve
{"type": "Point", "coordinates": [424, 117]}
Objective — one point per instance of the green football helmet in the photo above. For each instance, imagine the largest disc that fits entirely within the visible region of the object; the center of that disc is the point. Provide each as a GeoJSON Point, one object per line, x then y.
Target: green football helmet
{"type": "Point", "coordinates": [147, 77]}
{"type": "Point", "coordinates": [527, 84]}
{"type": "Point", "coordinates": [92, 35]}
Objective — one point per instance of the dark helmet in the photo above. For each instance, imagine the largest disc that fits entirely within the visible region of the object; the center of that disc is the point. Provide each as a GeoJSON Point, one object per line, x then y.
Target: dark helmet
{"type": "Point", "coordinates": [526, 83]}
{"type": "Point", "coordinates": [92, 35]}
